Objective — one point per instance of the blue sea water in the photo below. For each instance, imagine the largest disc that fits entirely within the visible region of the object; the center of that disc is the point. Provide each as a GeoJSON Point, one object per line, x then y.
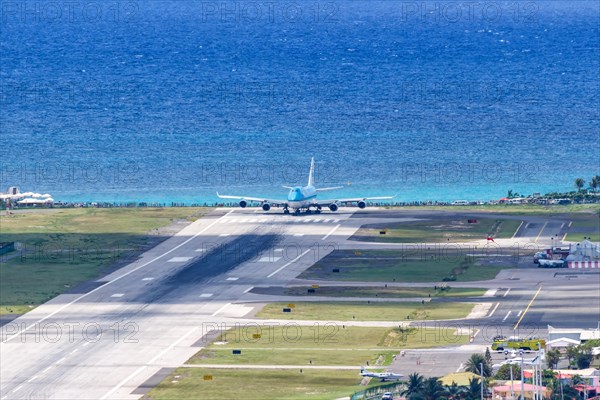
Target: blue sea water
{"type": "Point", "coordinates": [165, 101]}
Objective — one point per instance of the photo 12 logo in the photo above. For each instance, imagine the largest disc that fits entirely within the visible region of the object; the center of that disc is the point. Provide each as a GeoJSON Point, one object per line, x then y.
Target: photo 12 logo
{"type": "Point", "coordinates": [268, 12]}
{"type": "Point", "coordinates": [68, 11]}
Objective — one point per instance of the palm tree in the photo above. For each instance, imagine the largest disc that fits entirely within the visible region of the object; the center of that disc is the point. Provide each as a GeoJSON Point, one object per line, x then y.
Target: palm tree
{"type": "Point", "coordinates": [552, 358]}
{"type": "Point", "coordinates": [473, 390]}
{"type": "Point", "coordinates": [579, 182]}
{"type": "Point", "coordinates": [432, 390]}
{"type": "Point", "coordinates": [474, 363]}
{"type": "Point", "coordinates": [414, 385]}
{"type": "Point", "coordinates": [595, 182]}
{"type": "Point", "coordinates": [454, 392]}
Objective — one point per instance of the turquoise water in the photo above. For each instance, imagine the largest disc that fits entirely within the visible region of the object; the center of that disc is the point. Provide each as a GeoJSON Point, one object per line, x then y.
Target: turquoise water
{"type": "Point", "coordinates": [167, 101]}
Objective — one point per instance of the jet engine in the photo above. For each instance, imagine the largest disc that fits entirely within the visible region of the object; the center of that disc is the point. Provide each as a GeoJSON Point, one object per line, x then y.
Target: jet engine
{"type": "Point", "coordinates": [266, 207]}
{"type": "Point", "coordinates": [362, 204]}
{"type": "Point", "coordinates": [333, 207]}
{"type": "Point", "coordinates": [243, 203]}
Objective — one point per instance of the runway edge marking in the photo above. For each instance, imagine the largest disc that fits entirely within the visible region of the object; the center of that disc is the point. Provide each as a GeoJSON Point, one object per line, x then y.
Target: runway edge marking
{"type": "Point", "coordinates": [143, 367]}
{"type": "Point", "coordinates": [116, 279]}
{"type": "Point", "coordinates": [286, 265]}
{"type": "Point", "coordinates": [527, 309]}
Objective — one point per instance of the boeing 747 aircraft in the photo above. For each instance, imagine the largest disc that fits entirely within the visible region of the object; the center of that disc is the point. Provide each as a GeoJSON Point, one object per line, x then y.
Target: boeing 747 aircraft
{"type": "Point", "coordinates": [304, 197]}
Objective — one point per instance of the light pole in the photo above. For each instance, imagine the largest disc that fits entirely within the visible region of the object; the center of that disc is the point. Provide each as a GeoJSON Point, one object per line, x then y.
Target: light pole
{"type": "Point", "coordinates": [522, 378]}
{"type": "Point", "coordinates": [481, 377]}
{"type": "Point", "coordinates": [512, 392]}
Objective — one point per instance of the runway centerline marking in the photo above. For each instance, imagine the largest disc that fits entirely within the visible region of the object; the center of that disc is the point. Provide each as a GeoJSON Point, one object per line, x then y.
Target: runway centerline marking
{"type": "Point", "coordinates": [249, 289]}
{"type": "Point", "coordinates": [527, 309]}
{"type": "Point", "coordinates": [118, 295]}
{"type": "Point", "coordinates": [179, 259]}
{"type": "Point", "coordinates": [505, 293]}
{"type": "Point", "coordinates": [206, 295]}
{"type": "Point", "coordinates": [14, 335]}
{"type": "Point", "coordinates": [148, 279]}
{"type": "Point", "coordinates": [143, 367]}
{"type": "Point", "coordinates": [289, 263]}
{"type": "Point", "coordinates": [331, 232]}
{"type": "Point", "coordinates": [232, 278]}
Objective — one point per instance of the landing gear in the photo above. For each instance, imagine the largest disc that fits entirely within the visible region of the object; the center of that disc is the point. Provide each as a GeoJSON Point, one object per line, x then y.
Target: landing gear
{"type": "Point", "coordinates": [286, 211]}
{"type": "Point", "coordinates": [318, 210]}
{"type": "Point", "coordinates": [296, 212]}
{"type": "Point", "coordinates": [308, 211]}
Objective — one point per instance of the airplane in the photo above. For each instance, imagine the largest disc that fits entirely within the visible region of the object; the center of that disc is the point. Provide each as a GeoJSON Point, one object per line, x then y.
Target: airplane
{"type": "Point", "coordinates": [304, 197]}
{"type": "Point", "coordinates": [380, 375]}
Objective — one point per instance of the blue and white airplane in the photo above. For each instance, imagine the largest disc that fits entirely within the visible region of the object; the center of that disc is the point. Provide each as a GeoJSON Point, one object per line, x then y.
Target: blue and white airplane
{"type": "Point", "coordinates": [304, 197]}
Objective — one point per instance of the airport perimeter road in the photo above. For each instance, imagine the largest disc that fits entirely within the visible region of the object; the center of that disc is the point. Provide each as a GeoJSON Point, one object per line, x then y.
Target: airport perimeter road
{"type": "Point", "coordinates": [104, 343]}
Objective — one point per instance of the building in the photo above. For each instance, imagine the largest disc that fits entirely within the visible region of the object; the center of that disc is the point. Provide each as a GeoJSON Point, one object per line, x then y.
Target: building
{"type": "Point", "coordinates": [511, 390]}
{"type": "Point", "coordinates": [561, 338]}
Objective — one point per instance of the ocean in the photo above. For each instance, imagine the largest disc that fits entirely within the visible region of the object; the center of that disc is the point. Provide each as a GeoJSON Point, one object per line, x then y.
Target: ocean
{"type": "Point", "coordinates": [171, 101]}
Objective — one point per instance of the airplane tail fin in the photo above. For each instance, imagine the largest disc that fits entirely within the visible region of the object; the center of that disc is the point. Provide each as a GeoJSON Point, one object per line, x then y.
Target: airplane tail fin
{"type": "Point", "coordinates": [311, 180]}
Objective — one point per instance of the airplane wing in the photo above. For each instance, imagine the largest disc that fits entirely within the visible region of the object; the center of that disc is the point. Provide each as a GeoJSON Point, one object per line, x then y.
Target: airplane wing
{"type": "Point", "coordinates": [351, 200]}
{"type": "Point", "coordinates": [257, 199]}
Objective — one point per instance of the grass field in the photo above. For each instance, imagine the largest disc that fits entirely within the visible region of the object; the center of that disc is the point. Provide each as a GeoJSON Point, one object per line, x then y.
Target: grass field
{"type": "Point", "coordinates": [588, 226]}
{"type": "Point", "coordinates": [291, 344]}
{"type": "Point", "coordinates": [60, 248]}
{"type": "Point", "coordinates": [364, 311]}
{"type": "Point", "coordinates": [248, 384]}
{"type": "Point", "coordinates": [375, 291]}
{"type": "Point", "coordinates": [398, 266]}
{"type": "Point", "coordinates": [437, 230]}
{"type": "Point", "coordinates": [325, 344]}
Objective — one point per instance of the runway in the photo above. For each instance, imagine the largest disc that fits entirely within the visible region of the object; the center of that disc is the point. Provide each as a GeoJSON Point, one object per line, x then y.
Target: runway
{"type": "Point", "coordinates": [153, 313]}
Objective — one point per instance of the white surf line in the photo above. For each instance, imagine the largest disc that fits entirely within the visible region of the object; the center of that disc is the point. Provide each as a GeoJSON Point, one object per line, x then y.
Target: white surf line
{"type": "Point", "coordinates": [505, 293]}
{"type": "Point", "coordinates": [220, 309]}
{"type": "Point", "coordinates": [507, 314]}
{"type": "Point", "coordinates": [291, 262]}
{"type": "Point", "coordinates": [494, 310]}
{"type": "Point", "coordinates": [143, 367]}
{"type": "Point", "coordinates": [515, 234]}
{"type": "Point", "coordinates": [331, 232]}
{"type": "Point", "coordinates": [115, 280]}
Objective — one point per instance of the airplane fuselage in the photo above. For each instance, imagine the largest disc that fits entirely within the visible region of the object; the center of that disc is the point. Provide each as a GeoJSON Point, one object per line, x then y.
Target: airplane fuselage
{"type": "Point", "coordinates": [301, 196]}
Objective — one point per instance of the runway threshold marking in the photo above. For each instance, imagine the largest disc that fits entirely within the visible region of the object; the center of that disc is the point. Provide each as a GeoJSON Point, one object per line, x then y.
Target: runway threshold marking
{"type": "Point", "coordinates": [517, 231]}
{"type": "Point", "coordinates": [289, 263]}
{"type": "Point", "coordinates": [143, 367]}
{"type": "Point", "coordinates": [527, 309]}
{"type": "Point", "coordinates": [331, 232]}
{"type": "Point", "coordinates": [14, 335]}
{"type": "Point", "coordinates": [541, 230]}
